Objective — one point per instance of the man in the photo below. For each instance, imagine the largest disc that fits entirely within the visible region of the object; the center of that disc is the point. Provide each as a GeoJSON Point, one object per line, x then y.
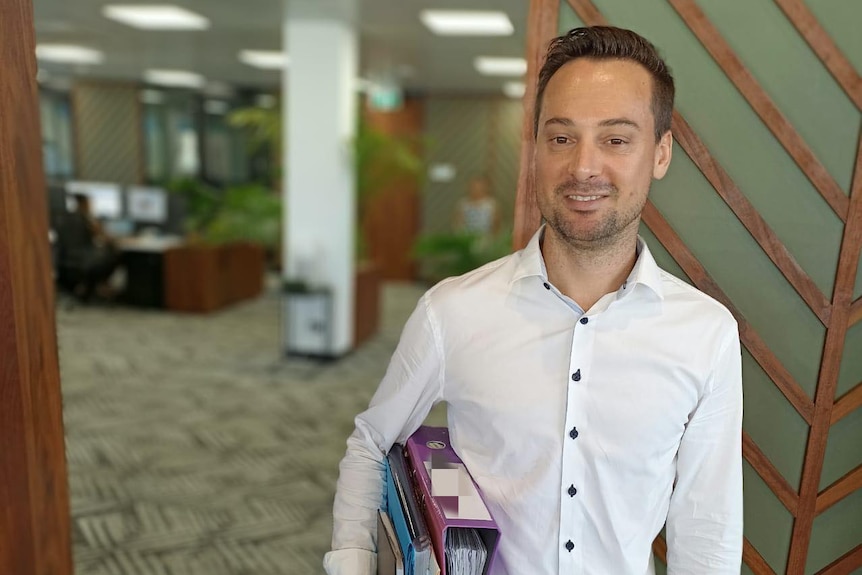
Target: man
{"type": "Point", "coordinates": [478, 212]}
{"type": "Point", "coordinates": [592, 395]}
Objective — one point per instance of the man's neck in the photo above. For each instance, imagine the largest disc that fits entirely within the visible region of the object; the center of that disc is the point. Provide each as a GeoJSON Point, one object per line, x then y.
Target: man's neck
{"type": "Point", "coordinates": [587, 272]}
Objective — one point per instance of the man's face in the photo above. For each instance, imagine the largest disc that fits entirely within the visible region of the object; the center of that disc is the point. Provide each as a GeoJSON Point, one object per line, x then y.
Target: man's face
{"type": "Point", "coordinates": [596, 152]}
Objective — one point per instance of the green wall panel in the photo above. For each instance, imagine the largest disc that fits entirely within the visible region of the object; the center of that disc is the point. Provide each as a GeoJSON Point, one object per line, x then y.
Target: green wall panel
{"type": "Point", "coordinates": [836, 531]}
{"type": "Point", "coordinates": [782, 62]}
{"type": "Point", "coordinates": [661, 255]}
{"type": "Point", "coordinates": [844, 449]}
{"type": "Point", "coordinates": [851, 362]}
{"type": "Point", "coordinates": [840, 18]}
{"type": "Point", "coordinates": [772, 423]}
{"type": "Point", "coordinates": [768, 525]}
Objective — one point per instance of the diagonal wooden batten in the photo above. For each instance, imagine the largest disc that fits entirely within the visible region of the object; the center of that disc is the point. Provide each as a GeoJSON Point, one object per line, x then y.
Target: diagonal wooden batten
{"type": "Point", "coordinates": [763, 105]}
{"type": "Point", "coordinates": [659, 548]}
{"type": "Point", "coordinates": [843, 487]}
{"type": "Point", "coordinates": [770, 475]}
{"type": "Point", "coordinates": [542, 27]}
{"type": "Point", "coordinates": [847, 403]}
{"type": "Point", "coordinates": [754, 560]}
{"type": "Point", "coordinates": [751, 219]}
{"type": "Point", "coordinates": [846, 564]}
{"type": "Point", "coordinates": [856, 312]}
{"type": "Point", "coordinates": [845, 278]}
{"type": "Point", "coordinates": [755, 345]}
{"type": "Point", "coordinates": [822, 44]}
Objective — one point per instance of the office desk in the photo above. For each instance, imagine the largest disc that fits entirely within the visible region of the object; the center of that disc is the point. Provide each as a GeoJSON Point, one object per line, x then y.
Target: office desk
{"type": "Point", "coordinates": [143, 259]}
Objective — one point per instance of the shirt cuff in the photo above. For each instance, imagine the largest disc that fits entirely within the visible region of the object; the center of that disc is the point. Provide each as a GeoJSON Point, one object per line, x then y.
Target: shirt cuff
{"type": "Point", "coordinates": [350, 562]}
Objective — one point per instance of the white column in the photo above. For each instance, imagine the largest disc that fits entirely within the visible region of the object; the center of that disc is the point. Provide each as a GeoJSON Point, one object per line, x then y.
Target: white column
{"type": "Point", "coordinates": [320, 107]}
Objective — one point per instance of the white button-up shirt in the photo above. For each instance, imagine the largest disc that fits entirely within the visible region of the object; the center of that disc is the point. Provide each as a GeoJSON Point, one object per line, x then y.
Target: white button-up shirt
{"type": "Point", "coordinates": [585, 431]}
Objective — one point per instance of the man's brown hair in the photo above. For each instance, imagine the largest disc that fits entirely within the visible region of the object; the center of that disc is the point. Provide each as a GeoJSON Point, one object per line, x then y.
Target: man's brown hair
{"type": "Point", "coordinates": [609, 43]}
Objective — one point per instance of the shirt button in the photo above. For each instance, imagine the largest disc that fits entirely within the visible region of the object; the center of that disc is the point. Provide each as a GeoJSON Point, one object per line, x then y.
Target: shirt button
{"type": "Point", "coordinates": [572, 491]}
{"type": "Point", "coordinates": [547, 285]}
{"type": "Point", "coordinates": [574, 433]}
{"type": "Point", "coordinates": [569, 545]}
{"type": "Point", "coordinates": [576, 376]}
{"type": "Point", "coordinates": [585, 320]}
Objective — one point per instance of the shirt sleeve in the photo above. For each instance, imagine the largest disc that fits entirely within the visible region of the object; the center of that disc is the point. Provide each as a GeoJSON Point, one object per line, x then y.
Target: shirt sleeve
{"type": "Point", "coordinates": [410, 388]}
{"type": "Point", "coordinates": [704, 523]}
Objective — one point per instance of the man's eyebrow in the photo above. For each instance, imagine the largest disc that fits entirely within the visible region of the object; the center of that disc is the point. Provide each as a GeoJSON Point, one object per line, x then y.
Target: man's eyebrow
{"type": "Point", "coordinates": [561, 121]}
{"type": "Point", "coordinates": [619, 122]}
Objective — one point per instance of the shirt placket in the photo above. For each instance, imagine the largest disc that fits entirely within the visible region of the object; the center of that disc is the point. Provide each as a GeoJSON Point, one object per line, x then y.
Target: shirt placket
{"type": "Point", "coordinates": [576, 431]}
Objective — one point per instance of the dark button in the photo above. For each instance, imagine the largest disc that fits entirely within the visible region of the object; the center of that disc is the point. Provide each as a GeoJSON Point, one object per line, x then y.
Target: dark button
{"type": "Point", "coordinates": [547, 285]}
{"type": "Point", "coordinates": [576, 376]}
{"type": "Point", "coordinates": [569, 545]}
{"type": "Point", "coordinates": [572, 491]}
{"type": "Point", "coordinates": [585, 320]}
{"type": "Point", "coordinates": [574, 433]}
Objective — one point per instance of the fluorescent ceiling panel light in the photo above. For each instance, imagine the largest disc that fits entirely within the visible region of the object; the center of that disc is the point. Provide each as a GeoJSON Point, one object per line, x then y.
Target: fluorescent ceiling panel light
{"type": "Point", "coordinates": [68, 54]}
{"type": "Point", "coordinates": [156, 17]}
{"type": "Point", "coordinates": [174, 78]}
{"type": "Point", "coordinates": [467, 22]}
{"type": "Point", "coordinates": [515, 89]}
{"type": "Point", "coordinates": [268, 60]}
{"type": "Point", "coordinates": [491, 66]}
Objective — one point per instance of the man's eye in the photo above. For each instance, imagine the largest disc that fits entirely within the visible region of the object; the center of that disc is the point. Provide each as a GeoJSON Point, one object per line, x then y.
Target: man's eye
{"type": "Point", "coordinates": [616, 141]}
{"type": "Point", "coordinates": [561, 140]}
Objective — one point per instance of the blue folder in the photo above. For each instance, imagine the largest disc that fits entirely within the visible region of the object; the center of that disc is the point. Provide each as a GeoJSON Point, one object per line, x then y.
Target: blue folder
{"type": "Point", "coordinates": [407, 517]}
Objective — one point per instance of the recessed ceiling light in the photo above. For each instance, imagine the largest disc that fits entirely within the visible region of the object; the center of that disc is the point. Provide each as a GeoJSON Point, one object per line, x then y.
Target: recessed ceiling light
{"type": "Point", "coordinates": [491, 66]}
{"type": "Point", "coordinates": [268, 60]}
{"type": "Point", "coordinates": [467, 22]}
{"type": "Point", "coordinates": [156, 17]}
{"type": "Point", "coordinates": [174, 78]}
{"type": "Point", "coordinates": [68, 54]}
{"type": "Point", "coordinates": [515, 89]}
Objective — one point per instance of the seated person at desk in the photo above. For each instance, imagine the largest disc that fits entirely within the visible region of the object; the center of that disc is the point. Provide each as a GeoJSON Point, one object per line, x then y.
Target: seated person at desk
{"type": "Point", "coordinates": [87, 254]}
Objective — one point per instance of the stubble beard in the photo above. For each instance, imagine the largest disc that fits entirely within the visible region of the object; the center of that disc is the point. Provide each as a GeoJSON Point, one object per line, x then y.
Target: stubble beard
{"type": "Point", "coordinates": [597, 236]}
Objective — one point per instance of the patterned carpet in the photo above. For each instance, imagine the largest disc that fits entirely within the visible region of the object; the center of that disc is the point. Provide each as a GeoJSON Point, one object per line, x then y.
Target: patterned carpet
{"type": "Point", "coordinates": [195, 449]}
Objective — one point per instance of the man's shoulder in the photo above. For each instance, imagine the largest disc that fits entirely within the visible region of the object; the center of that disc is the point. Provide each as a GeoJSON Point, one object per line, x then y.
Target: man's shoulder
{"type": "Point", "coordinates": [707, 308]}
{"type": "Point", "coordinates": [492, 277]}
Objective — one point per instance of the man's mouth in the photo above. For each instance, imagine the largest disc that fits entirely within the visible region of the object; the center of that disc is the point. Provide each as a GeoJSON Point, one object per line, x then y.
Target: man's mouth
{"type": "Point", "coordinates": [584, 198]}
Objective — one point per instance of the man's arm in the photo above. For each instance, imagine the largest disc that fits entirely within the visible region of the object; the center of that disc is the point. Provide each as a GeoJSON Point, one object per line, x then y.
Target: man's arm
{"type": "Point", "coordinates": [410, 388]}
{"type": "Point", "coordinates": [704, 523]}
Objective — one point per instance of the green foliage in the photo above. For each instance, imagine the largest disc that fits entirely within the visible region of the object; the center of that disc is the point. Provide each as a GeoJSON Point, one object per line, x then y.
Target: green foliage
{"type": "Point", "coordinates": [453, 254]}
{"type": "Point", "coordinates": [263, 126]}
{"type": "Point", "coordinates": [248, 213]}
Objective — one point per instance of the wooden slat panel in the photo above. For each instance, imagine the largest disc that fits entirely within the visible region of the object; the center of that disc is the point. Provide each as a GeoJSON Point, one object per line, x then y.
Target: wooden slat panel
{"type": "Point", "coordinates": [659, 548]}
{"type": "Point", "coordinates": [846, 564]}
{"type": "Point", "coordinates": [754, 560]}
{"type": "Point", "coordinates": [848, 260]}
{"type": "Point", "coordinates": [756, 346]}
{"type": "Point", "coordinates": [848, 402]}
{"type": "Point", "coordinates": [770, 475]}
{"type": "Point", "coordinates": [763, 105]}
{"type": "Point", "coordinates": [750, 218]}
{"type": "Point", "coordinates": [856, 312]}
{"type": "Point", "coordinates": [839, 490]}
{"type": "Point", "coordinates": [823, 45]}
{"type": "Point", "coordinates": [34, 496]}
{"type": "Point", "coordinates": [542, 26]}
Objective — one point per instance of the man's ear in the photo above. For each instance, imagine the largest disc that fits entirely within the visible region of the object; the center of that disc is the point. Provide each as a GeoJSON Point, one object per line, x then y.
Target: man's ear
{"type": "Point", "coordinates": [663, 153]}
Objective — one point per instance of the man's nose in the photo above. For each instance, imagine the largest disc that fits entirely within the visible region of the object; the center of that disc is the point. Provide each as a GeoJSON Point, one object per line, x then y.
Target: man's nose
{"type": "Point", "coordinates": [585, 162]}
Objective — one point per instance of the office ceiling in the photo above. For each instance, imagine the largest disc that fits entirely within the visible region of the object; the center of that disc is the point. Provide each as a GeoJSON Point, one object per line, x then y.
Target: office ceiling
{"type": "Point", "coordinates": [392, 39]}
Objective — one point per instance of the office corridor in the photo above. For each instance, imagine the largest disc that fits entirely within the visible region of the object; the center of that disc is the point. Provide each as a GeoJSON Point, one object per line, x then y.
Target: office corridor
{"type": "Point", "coordinates": [194, 449]}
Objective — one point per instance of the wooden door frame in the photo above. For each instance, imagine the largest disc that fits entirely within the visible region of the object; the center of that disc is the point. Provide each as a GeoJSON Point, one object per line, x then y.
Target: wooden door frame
{"type": "Point", "coordinates": [34, 495]}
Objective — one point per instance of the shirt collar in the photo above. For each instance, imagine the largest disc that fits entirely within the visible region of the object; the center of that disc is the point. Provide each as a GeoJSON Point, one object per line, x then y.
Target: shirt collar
{"type": "Point", "coordinates": [645, 272]}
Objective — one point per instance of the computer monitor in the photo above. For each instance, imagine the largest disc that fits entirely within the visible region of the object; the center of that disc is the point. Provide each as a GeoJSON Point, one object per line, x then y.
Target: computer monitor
{"type": "Point", "coordinates": [106, 200]}
{"type": "Point", "coordinates": [147, 205]}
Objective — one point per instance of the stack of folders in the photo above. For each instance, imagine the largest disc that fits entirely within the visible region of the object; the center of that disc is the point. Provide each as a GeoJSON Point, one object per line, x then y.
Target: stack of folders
{"type": "Point", "coordinates": [463, 535]}
{"type": "Point", "coordinates": [408, 521]}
